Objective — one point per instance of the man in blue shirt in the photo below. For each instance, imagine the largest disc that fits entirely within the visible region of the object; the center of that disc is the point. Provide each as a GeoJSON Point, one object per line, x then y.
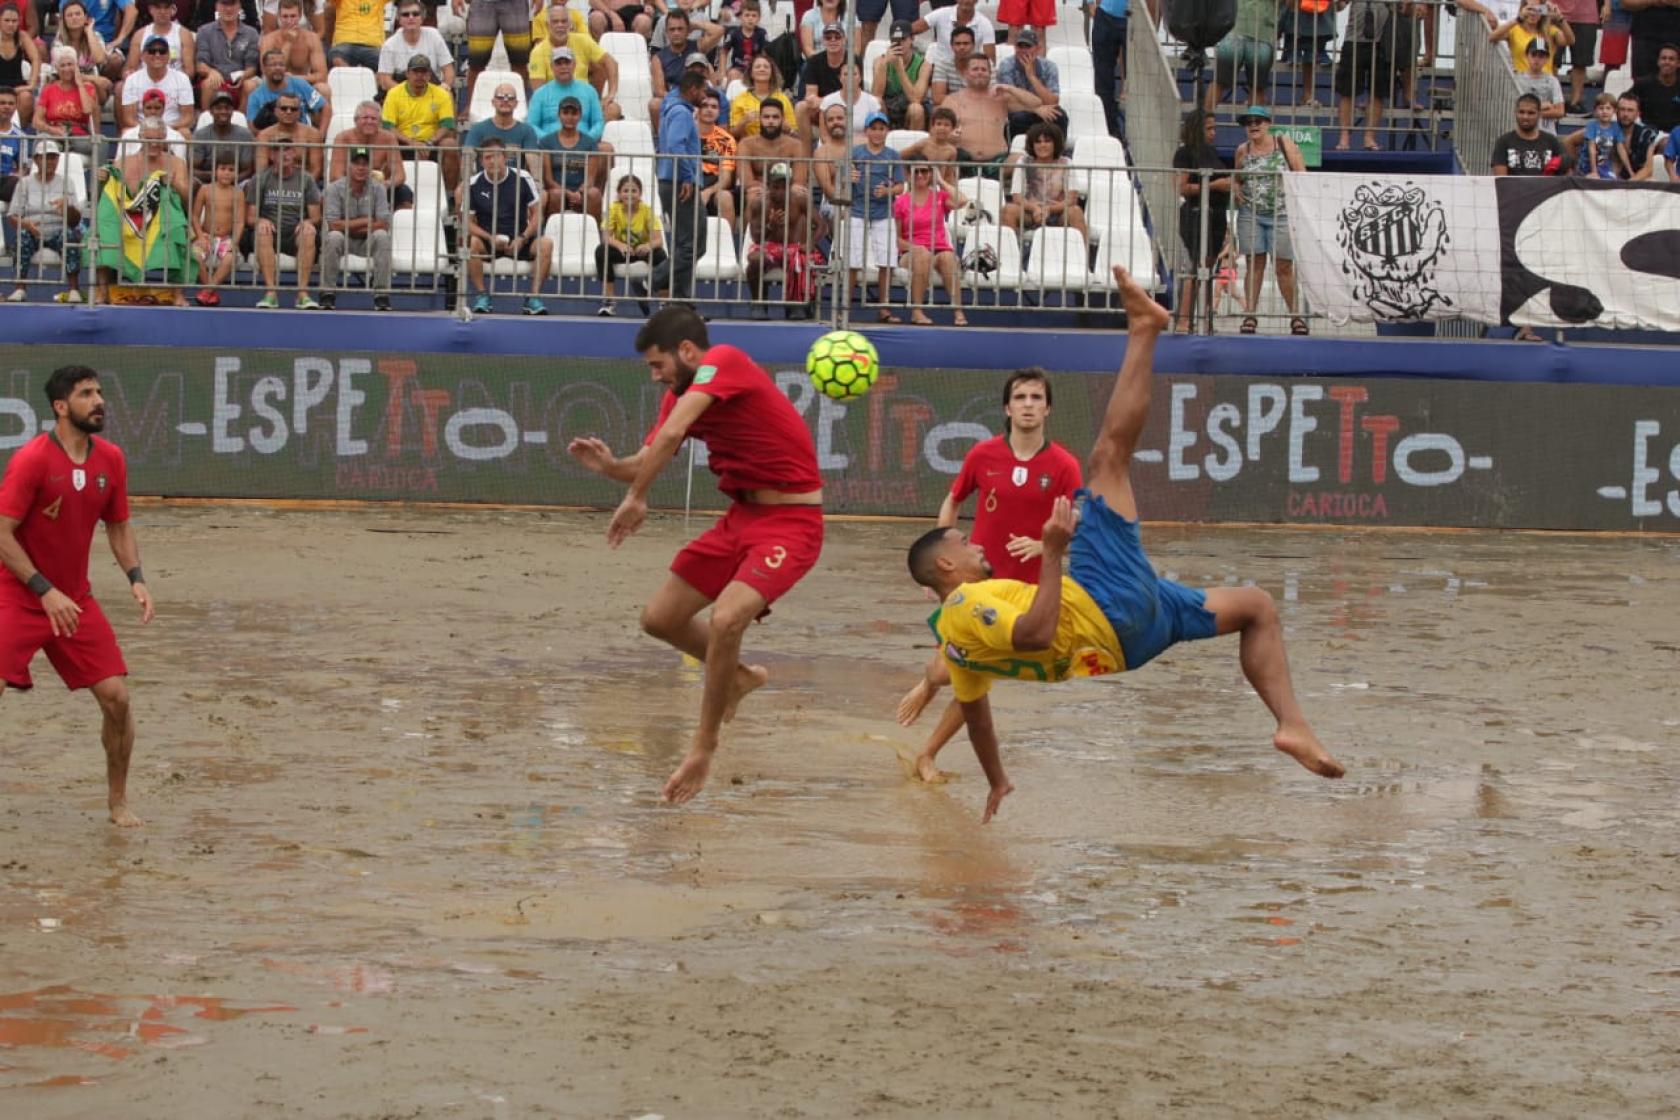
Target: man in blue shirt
{"type": "Point", "coordinates": [1028, 69]}
{"type": "Point", "coordinates": [543, 114]}
{"type": "Point", "coordinates": [277, 81]}
{"type": "Point", "coordinates": [114, 20]}
{"type": "Point", "coordinates": [678, 171]}
{"type": "Point", "coordinates": [1108, 55]}
{"type": "Point", "coordinates": [14, 152]}
{"type": "Point", "coordinates": [877, 176]}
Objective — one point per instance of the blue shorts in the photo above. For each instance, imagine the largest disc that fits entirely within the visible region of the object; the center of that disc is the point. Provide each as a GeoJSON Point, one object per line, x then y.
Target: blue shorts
{"type": "Point", "coordinates": [1148, 613]}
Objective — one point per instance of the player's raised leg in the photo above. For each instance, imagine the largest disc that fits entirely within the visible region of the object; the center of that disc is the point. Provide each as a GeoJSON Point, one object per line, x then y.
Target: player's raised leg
{"type": "Point", "coordinates": [1109, 474]}
{"type": "Point", "coordinates": [733, 612]}
{"type": "Point", "coordinates": [673, 616]}
{"type": "Point", "coordinates": [117, 735]}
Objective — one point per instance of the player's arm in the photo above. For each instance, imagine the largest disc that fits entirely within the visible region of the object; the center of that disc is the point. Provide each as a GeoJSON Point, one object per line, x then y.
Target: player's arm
{"type": "Point", "coordinates": [1036, 629]}
{"type": "Point", "coordinates": [61, 610]}
{"type": "Point", "coordinates": [126, 549]}
{"type": "Point", "coordinates": [977, 714]}
{"type": "Point", "coordinates": [632, 511]}
{"type": "Point", "coordinates": [598, 457]}
{"type": "Point", "coordinates": [948, 510]}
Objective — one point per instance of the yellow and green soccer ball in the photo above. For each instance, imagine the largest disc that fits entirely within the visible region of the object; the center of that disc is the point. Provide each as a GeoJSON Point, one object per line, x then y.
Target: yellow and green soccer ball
{"type": "Point", "coordinates": [843, 365]}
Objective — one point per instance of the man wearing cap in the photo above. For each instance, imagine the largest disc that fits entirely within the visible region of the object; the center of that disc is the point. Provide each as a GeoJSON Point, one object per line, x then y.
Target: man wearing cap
{"type": "Point", "coordinates": [781, 238]}
{"type": "Point", "coordinates": [41, 211]}
{"type": "Point", "coordinates": [1028, 69]}
{"type": "Point", "coordinates": [156, 74]}
{"type": "Point", "coordinates": [504, 208]}
{"type": "Point", "coordinates": [877, 178]}
{"type": "Point", "coordinates": [385, 155]}
{"type": "Point", "coordinates": [413, 37]}
{"type": "Point", "coordinates": [422, 115]}
{"type": "Point", "coordinates": [229, 55]}
{"type": "Point", "coordinates": [823, 73]}
{"type": "Point", "coordinates": [288, 127]}
{"type": "Point", "coordinates": [678, 173]}
{"type": "Point", "coordinates": [574, 166]}
{"type": "Point", "coordinates": [516, 135]}
{"type": "Point", "coordinates": [306, 56]}
{"type": "Point", "coordinates": [177, 38]}
{"type": "Point", "coordinates": [543, 114]}
{"type": "Point", "coordinates": [901, 79]}
{"type": "Point", "coordinates": [591, 61]}
{"type": "Point", "coordinates": [982, 111]}
{"type": "Point", "coordinates": [221, 134]}
{"type": "Point", "coordinates": [313, 109]}
{"type": "Point", "coordinates": [358, 220]}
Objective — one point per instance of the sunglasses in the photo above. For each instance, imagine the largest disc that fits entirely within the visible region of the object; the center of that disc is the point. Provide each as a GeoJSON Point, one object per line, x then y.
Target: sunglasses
{"type": "Point", "coordinates": [503, 97]}
{"type": "Point", "coordinates": [287, 108]}
{"type": "Point", "coordinates": [157, 50]}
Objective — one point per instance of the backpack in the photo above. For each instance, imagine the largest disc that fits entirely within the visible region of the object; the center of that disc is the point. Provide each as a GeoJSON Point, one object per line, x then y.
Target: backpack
{"type": "Point", "coordinates": [1200, 24]}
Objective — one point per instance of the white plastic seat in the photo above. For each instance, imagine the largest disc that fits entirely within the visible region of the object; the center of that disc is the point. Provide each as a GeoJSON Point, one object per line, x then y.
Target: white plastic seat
{"type": "Point", "coordinates": [629, 137]}
{"type": "Point", "coordinates": [353, 83]}
{"type": "Point", "coordinates": [416, 244]}
{"type": "Point", "coordinates": [625, 46]}
{"type": "Point", "coordinates": [425, 179]}
{"type": "Point", "coordinates": [1101, 151]}
{"type": "Point", "coordinates": [901, 138]}
{"type": "Point", "coordinates": [575, 237]}
{"type": "Point", "coordinates": [720, 262]}
{"type": "Point", "coordinates": [1002, 241]}
{"type": "Point", "coordinates": [1004, 52]}
{"type": "Point", "coordinates": [1058, 261]}
{"type": "Point", "coordinates": [987, 194]}
{"type": "Point", "coordinates": [1111, 205]}
{"type": "Point", "coordinates": [1131, 248]}
{"type": "Point", "coordinates": [482, 107]}
{"type": "Point", "coordinates": [1074, 69]}
{"type": "Point", "coordinates": [1618, 82]}
{"type": "Point", "coordinates": [1085, 114]}
{"type": "Point", "coordinates": [642, 167]}
{"type": "Point", "coordinates": [871, 54]}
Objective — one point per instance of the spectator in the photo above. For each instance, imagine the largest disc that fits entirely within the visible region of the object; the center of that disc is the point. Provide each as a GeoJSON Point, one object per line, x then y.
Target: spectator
{"type": "Point", "coordinates": [99, 64]}
{"type": "Point", "coordinates": [1211, 196]}
{"type": "Point", "coordinates": [1644, 143]}
{"type": "Point", "coordinates": [1659, 94]}
{"type": "Point", "coordinates": [422, 115]}
{"type": "Point", "coordinates": [305, 57]}
{"type": "Point", "coordinates": [356, 30]}
{"type": "Point", "coordinates": [413, 37]}
{"type": "Point", "coordinates": [863, 103]}
{"type": "Point", "coordinates": [68, 107]}
{"type": "Point", "coordinates": [1535, 20]}
{"type": "Point", "coordinates": [717, 164]}
{"type": "Point", "coordinates": [744, 42]}
{"type": "Point", "coordinates": [152, 105]}
{"type": "Point", "coordinates": [229, 56]}
{"type": "Point", "coordinates": [505, 220]}
{"type": "Point", "coordinates": [16, 48]}
{"type": "Point", "coordinates": [632, 234]}
{"type": "Point", "coordinates": [1108, 56]}
{"type": "Point", "coordinates": [869, 15]}
{"type": "Point", "coordinates": [950, 66]}
{"type": "Point", "coordinates": [1306, 39]}
{"type": "Point", "coordinates": [779, 227]}
{"type": "Point", "coordinates": [218, 224]}
{"type": "Point", "coordinates": [823, 73]}
{"type": "Point", "coordinates": [1528, 149]}
{"type": "Point", "coordinates": [1037, 16]}
{"type": "Point", "coordinates": [575, 167]}
{"type": "Point", "coordinates": [42, 213]}
{"type": "Point", "coordinates": [764, 84]}
{"type": "Point", "coordinates": [1367, 66]}
{"type": "Point", "coordinates": [940, 146]}
{"type": "Point", "coordinates": [815, 21]}
{"type": "Point", "coordinates": [826, 161]}
{"type": "Point", "coordinates": [1044, 199]}
{"type": "Point", "coordinates": [703, 34]}
{"type": "Point", "coordinates": [516, 136]}
{"type": "Point", "coordinates": [877, 175]}
{"type": "Point", "coordinates": [199, 14]}
{"type": "Point", "coordinates": [14, 146]}
{"type": "Point", "coordinates": [543, 113]}
{"type": "Point", "coordinates": [1262, 223]}
{"type": "Point", "coordinates": [1655, 25]}
{"type": "Point", "coordinates": [167, 232]}
{"type": "Point", "coordinates": [1246, 54]}
{"type": "Point", "coordinates": [942, 21]}
{"type": "Point", "coordinates": [679, 181]}
{"type": "Point", "coordinates": [313, 14]}
{"type": "Point", "coordinates": [924, 242]}
{"type": "Point", "coordinates": [671, 58]}
{"type": "Point", "coordinates": [1036, 74]}
{"type": "Point", "coordinates": [590, 62]}
{"type": "Point", "coordinates": [288, 128]}
{"type": "Point", "coordinates": [315, 108]}
{"type": "Point", "coordinates": [179, 104]}
{"type": "Point", "coordinates": [902, 79]}
{"type": "Point", "coordinates": [1618, 23]}
{"type": "Point", "coordinates": [179, 40]}
{"type": "Point", "coordinates": [358, 220]}
{"type": "Point", "coordinates": [283, 211]}
{"type": "Point", "coordinates": [982, 109]}
{"type": "Point", "coordinates": [755, 154]}
{"type": "Point", "coordinates": [1603, 146]}
{"type": "Point", "coordinates": [605, 16]}
{"type": "Point", "coordinates": [1535, 79]}
{"type": "Point", "coordinates": [1671, 156]}
{"type": "Point", "coordinates": [385, 155]}
{"type": "Point", "coordinates": [26, 16]}
{"type": "Point", "coordinates": [1581, 17]}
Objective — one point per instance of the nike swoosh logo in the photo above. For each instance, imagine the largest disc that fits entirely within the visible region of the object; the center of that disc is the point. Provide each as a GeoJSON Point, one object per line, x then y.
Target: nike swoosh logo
{"type": "Point", "coordinates": [57, 477]}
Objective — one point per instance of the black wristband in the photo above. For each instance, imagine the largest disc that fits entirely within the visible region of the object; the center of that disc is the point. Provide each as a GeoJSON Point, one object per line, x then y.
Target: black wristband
{"type": "Point", "coordinates": [40, 585]}
{"type": "Point", "coordinates": [135, 575]}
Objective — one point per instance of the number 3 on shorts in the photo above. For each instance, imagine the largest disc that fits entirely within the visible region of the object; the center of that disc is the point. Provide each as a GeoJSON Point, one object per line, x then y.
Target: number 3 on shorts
{"type": "Point", "coordinates": [775, 557]}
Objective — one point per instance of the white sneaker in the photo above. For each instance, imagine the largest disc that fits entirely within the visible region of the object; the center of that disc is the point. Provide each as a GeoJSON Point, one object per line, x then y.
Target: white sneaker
{"type": "Point", "coordinates": [18, 296]}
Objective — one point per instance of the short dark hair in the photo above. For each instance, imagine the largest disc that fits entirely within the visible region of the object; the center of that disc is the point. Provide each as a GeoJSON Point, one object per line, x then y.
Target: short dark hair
{"type": "Point", "coordinates": [1030, 373]}
{"type": "Point", "coordinates": [64, 380]}
{"type": "Point", "coordinates": [963, 29]}
{"type": "Point", "coordinates": [771, 103]}
{"type": "Point", "coordinates": [1675, 47]}
{"type": "Point", "coordinates": [670, 327]}
{"type": "Point", "coordinates": [491, 142]}
{"type": "Point", "coordinates": [677, 13]}
{"type": "Point", "coordinates": [923, 551]}
{"type": "Point", "coordinates": [693, 80]}
{"type": "Point", "coordinates": [1529, 98]}
{"type": "Point", "coordinates": [946, 114]}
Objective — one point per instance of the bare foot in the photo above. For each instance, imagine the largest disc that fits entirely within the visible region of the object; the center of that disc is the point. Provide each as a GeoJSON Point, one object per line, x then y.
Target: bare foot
{"type": "Point", "coordinates": [1142, 312]}
{"type": "Point", "coordinates": [747, 679]}
{"type": "Point", "coordinates": [123, 817]}
{"type": "Point", "coordinates": [959, 320]}
{"type": "Point", "coordinates": [1303, 746]}
{"type": "Point", "coordinates": [928, 770]}
{"type": "Point", "coordinates": [910, 708]}
{"type": "Point", "coordinates": [687, 779]}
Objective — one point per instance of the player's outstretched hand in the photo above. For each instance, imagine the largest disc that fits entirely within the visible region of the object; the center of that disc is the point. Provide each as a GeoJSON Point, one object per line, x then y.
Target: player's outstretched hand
{"type": "Point", "coordinates": [1024, 548]}
{"type": "Point", "coordinates": [144, 598]}
{"type": "Point", "coordinates": [62, 612]}
{"type": "Point", "coordinates": [591, 452]}
{"type": "Point", "coordinates": [910, 708]}
{"type": "Point", "coordinates": [1058, 530]}
{"type": "Point", "coordinates": [995, 798]}
{"type": "Point", "coordinates": [631, 512]}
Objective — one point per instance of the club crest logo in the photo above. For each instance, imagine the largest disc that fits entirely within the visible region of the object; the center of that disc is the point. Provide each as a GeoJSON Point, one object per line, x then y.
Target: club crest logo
{"type": "Point", "coordinates": [1392, 239]}
{"type": "Point", "coordinates": [99, 482]}
{"type": "Point", "coordinates": [1018, 476]}
{"type": "Point", "coordinates": [1044, 483]}
{"type": "Point", "coordinates": [986, 615]}
{"type": "Point", "coordinates": [78, 479]}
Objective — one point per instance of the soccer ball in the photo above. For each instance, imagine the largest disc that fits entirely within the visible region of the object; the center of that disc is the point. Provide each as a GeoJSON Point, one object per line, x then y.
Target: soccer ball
{"type": "Point", "coordinates": [842, 365]}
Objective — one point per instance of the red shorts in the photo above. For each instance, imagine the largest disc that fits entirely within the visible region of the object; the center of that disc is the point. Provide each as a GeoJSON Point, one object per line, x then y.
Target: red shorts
{"type": "Point", "coordinates": [84, 658]}
{"type": "Point", "coordinates": [1023, 13]}
{"type": "Point", "coordinates": [768, 548]}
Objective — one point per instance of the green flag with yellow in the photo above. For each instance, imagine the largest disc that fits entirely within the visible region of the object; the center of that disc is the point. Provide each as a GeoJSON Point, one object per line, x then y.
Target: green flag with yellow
{"type": "Point", "coordinates": [144, 234]}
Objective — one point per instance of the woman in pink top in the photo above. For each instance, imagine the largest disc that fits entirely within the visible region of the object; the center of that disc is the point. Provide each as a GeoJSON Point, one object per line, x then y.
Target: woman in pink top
{"type": "Point", "coordinates": [924, 244]}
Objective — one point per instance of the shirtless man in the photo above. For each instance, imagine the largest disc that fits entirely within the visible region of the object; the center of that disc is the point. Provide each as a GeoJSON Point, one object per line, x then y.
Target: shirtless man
{"type": "Point", "coordinates": [218, 219]}
{"type": "Point", "coordinates": [781, 238]}
{"type": "Point", "coordinates": [153, 156]}
{"type": "Point", "coordinates": [305, 56]}
{"type": "Point", "coordinates": [982, 111]}
{"type": "Point", "coordinates": [288, 125]}
{"type": "Point", "coordinates": [385, 164]}
{"type": "Point", "coordinates": [836, 143]}
{"type": "Point", "coordinates": [755, 154]}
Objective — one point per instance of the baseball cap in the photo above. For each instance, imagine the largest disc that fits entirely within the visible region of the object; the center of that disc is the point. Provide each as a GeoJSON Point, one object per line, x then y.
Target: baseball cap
{"type": "Point", "coordinates": [1537, 45]}
{"type": "Point", "coordinates": [222, 95]}
{"type": "Point", "coordinates": [156, 42]}
{"type": "Point", "coordinates": [875, 119]}
{"type": "Point", "coordinates": [780, 171]}
{"type": "Point", "coordinates": [419, 62]}
{"type": "Point", "coordinates": [1254, 113]}
{"type": "Point", "coordinates": [1028, 36]}
{"type": "Point", "coordinates": [565, 53]}
{"type": "Point", "coordinates": [360, 154]}
{"type": "Point", "coordinates": [695, 58]}
{"type": "Point", "coordinates": [902, 29]}
{"type": "Point", "coordinates": [571, 103]}
{"type": "Point", "coordinates": [833, 29]}
{"type": "Point", "coordinates": [152, 95]}
{"type": "Point", "coordinates": [48, 148]}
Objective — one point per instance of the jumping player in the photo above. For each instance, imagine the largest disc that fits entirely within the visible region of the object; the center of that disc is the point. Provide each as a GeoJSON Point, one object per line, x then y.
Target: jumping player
{"type": "Point", "coordinates": [766, 462]}
{"type": "Point", "coordinates": [55, 488]}
{"type": "Point", "coordinates": [1111, 612]}
{"type": "Point", "coordinates": [1020, 475]}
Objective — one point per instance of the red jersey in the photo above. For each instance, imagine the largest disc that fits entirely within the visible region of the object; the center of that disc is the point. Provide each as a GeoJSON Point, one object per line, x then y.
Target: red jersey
{"type": "Point", "coordinates": [1015, 499]}
{"type": "Point", "coordinates": [754, 437]}
{"type": "Point", "coordinates": [57, 504]}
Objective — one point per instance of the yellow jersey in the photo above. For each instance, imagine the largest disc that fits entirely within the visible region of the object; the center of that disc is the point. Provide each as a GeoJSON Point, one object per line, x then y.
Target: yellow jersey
{"type": "Point", "coordinates": [976, 626]}
{"type": "Point", "coordinates": [585, 49]}
{"type": "Point", "coordinates": [419, 117]}
{"type": "Point", "coordinates": [360, 22]}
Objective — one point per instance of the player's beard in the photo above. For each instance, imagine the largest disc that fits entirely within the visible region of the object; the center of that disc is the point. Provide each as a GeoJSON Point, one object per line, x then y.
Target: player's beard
{"type": "Point", "coordinates": [92, 422]}
{"type": "Point", "coordinates": [764, 131]}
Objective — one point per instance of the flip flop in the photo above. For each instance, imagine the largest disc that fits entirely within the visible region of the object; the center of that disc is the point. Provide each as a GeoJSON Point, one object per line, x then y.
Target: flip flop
{"type": "Point", "coordinates": [889, 317]}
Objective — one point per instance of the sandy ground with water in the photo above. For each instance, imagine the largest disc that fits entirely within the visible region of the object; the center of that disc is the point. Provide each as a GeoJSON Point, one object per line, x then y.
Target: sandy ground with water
{"type": "Point", "coordinates": [404, 855]}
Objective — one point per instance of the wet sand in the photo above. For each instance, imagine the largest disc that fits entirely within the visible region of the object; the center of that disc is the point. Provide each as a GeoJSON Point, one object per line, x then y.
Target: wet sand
{"type": "Point", "coordinates": [404, 855]}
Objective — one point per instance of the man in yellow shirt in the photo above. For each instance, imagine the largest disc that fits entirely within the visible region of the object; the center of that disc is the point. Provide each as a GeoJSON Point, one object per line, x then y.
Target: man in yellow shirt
{"type": "Point", "coordinates": [594, 64]}
{"type": "Point", "coordinates": [356, 29]}
{"type": "Point", "coordinates": [1111, 612]}
{"type": "Point", "coordinates": [422, 114]}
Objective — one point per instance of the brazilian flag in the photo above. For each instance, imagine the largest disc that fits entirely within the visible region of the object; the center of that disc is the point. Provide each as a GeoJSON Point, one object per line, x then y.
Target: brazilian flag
{"type": "Point", "coordinates": [144, 234]}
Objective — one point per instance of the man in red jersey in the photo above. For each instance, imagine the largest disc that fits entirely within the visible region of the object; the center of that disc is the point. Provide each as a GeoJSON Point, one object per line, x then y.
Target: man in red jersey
{"type": "Point", "coordinates": [766, 462]}
{"type": "Point", "coordinates": [56, 487]}
{"type": "Point", "coordinates": [1020, 474]}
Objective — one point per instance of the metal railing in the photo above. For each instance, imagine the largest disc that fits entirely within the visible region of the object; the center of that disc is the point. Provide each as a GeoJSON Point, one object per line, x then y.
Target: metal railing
{"type": "Point", "coordinates": [1487, 99]}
